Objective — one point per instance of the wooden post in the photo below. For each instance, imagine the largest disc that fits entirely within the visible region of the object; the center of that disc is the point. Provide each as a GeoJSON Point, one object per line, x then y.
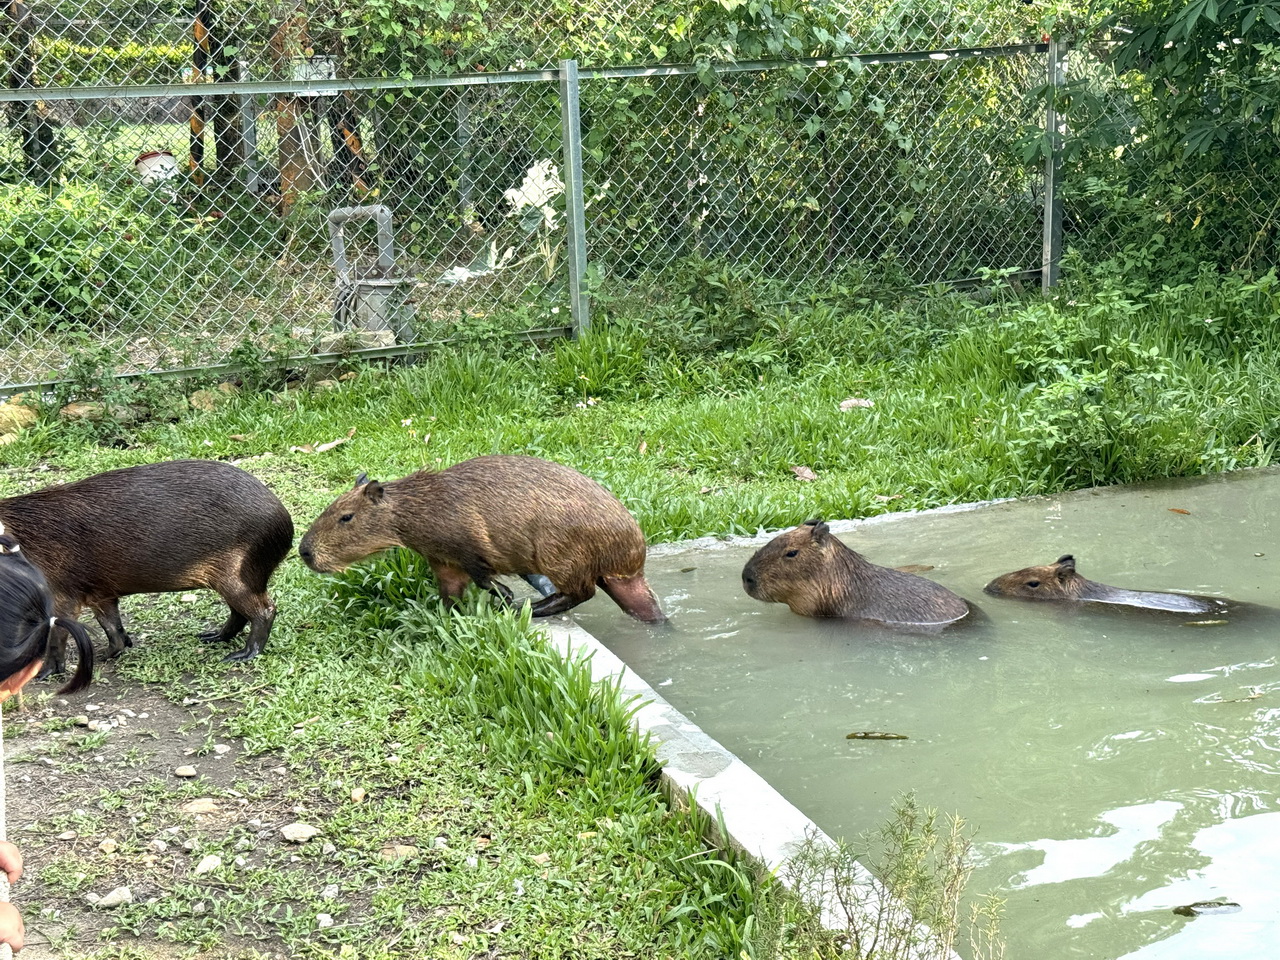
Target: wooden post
{"type": "Point", "coordinates": [39, 144]}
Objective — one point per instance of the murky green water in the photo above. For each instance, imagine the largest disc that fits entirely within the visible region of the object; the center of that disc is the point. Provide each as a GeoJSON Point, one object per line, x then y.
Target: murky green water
{"type": "Point", "coordinates": [1116, 763]}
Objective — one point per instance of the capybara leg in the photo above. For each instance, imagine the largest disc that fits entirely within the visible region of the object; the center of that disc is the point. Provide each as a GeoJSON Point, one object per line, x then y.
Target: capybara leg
{"type": "Point", "coordinates": [453, 581]}
{"type": "Point", "coordinates": [227, 632]}
{"type": "Point", "coordinates": [556, 603]}
{"type": "Point", "coordinates": [633, 595]}
{"type": "Point", "coordinates": [501, 592]}
{"type": "Point", "coordinates": [259, 630]}
{"type": "Point", "coordinates": [55, 658]}
{"type": "Point", "coordinates": [540, 583]}
{"type": "Point", "coordinates": [107, 613]}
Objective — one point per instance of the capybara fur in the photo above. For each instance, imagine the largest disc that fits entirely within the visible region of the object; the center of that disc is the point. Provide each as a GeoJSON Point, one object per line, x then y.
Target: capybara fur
{"type": "Point", "coordinates": [1060, 581]}
{"type": "Point", "coordinates": [816, 575]}
{"type": "Point", "coordinates": [495, 515]}
{"type": "Point", "coordinates": [156, 528]}
{"type": "Point", "coordinates": [27, 620]}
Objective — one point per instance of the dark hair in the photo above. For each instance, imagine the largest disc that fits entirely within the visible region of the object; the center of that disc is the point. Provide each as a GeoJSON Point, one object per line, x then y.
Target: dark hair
{"type": "Point", "coordinates": [27, 618]}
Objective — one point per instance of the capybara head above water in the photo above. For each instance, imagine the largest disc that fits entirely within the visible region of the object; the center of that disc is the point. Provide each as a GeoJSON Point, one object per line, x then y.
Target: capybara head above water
{"type": "Point", "coordinates": [1053, 581]}
{"type": "Point", "coordinates": [816, 575]}
{"type": "Point", "coordinates": [156, 528]}
{"type": "Point", "coordinates": [490, 516]}
{"type": "Point", "coordinates": [27, 622]}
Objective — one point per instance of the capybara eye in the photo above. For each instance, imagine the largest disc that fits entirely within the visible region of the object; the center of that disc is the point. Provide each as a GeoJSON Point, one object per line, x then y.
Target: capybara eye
{"type": "Point", "coordinates": [346, 518]}
{"type": "Point", "coordinates": [1033, 583]}
{"type": "Point", "coordinates": [791, 553]}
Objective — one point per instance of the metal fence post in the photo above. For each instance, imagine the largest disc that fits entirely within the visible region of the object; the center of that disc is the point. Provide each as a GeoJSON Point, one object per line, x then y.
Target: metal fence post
{"type": "Point", "coordinates": [574, 205]}
{"type": "Point", "coordinates": [1051, 255]}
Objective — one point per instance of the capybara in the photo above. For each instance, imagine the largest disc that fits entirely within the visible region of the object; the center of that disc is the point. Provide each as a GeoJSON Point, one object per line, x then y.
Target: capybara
{"type": "Point", "coordinates": [816, 575]}
{"type": "Point", "coordinates": [495, 515]}
{"type": "Point", "coordinates": [156, 528]}
{"type": "Point", "coordinates": [27, 621]}
{"type": "Point", "coordinates": [1060, 581]}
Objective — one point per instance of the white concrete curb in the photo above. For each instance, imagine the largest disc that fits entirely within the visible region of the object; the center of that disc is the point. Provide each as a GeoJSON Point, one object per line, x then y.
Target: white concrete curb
{"type": "Point", "coordinates": [756, 818]}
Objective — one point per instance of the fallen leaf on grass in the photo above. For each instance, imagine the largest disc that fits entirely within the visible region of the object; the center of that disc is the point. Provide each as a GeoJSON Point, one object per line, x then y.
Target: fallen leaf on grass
{"type": "Point", "coordinates": [1185, 513]}
{"type": "Point", "coordinates": [804, 473]}
{"type": "Point", "coordinates": [883, 499]}
{"type": "Point", "coordinates": [644, 445]}
{"type": "Point", "coordinates": [856, 402]}
{"type": "Point", "coordinates": [542, 858]}
{"type": "Point", "coordinates": [240, 437]}
{"type": "Point", "coordinates": [322, 447]}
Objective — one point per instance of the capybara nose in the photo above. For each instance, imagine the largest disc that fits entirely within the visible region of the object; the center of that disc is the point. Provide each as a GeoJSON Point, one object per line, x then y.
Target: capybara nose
{"type": "Point", "coordinates": [748, 582]}
{"type": "Point", "coordinates": [304, 551]}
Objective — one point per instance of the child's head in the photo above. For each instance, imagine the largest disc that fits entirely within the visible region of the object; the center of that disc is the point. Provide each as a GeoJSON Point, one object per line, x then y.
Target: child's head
{"type": "Point", "coordinates": [26, 621]}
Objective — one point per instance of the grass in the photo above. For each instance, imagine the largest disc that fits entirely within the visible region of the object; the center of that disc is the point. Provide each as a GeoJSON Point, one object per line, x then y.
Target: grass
{"type": "Point", "coordinates": [529, 802]}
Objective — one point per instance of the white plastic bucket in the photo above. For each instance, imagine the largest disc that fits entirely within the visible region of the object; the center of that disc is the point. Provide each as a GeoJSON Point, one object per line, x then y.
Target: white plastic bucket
{"type": "Point", "coordinates": [156, 166]}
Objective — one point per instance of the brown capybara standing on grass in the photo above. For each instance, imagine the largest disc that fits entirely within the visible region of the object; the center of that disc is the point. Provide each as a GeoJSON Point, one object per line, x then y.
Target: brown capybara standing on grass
{"type": "Point", "coordinates": [495, 515]}
{"type": "Point", "coordinates": [156, 528]}
{"type": "Point", "coordinates": [27, 622]}
{"type": "Point", "coordinates": [1060, 581]}
{"type": "Point", "coordinates": [816, 575]}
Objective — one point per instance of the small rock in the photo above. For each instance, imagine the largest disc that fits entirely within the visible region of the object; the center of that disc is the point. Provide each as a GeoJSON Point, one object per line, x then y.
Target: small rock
{"type": "Point", "coordinates": [189, 845]}
{"type": "Point", "coordinates": [199, 907]}
{"type": "Point", "coordinates": [81, 721]}
{"type": "Point", "coordinates": [397, 851]}
{"type": "Point", "coordinates": [441, 843]}
{"type": "Point", "coordinates": [125, 711]}
{"type": "Point", "coordinates": [221, 748]}
{"type": "Point", "coordinates": [357, 795]}
{"type": "Point", "coordinates": [279, 770]}
{"type": "Point", "coordinates": [118, 896]}
{"type": "Point", "coordinates": [328, 849]}
{"type": "Point", "coordinates": [189, 598]}
{"type": "Point", "coordinates": [68, 835]}
{"type": "Point", "coordinates": [173, 831]}
{"type": "Point", "coordinates": [201, 805]}
{"type": "Point", "coordinates": [184, 772]}
{"type": "Point", "coordinates": [208, 864]}
{"type": "Point", "coordinates": [91, 707]}
{"type": "Point", "coordinates": [299, 832]}
{"type": "Point", "coordinates": [330, 892]}
{"type": "Point", "coordinates": [244, 843]}
{"type": "Point", "coordinates": [324, 921]}
{"type": "Point", "coordinates": [108, 846]}
{"type": "Point", "coordinates": [15, 416]}
{"type": "Point", "coordinates": [326, 384]}
{"type": "Point", "coordinates": [159, 846]}
{"type": "Point", "coordinates": [240, 863]}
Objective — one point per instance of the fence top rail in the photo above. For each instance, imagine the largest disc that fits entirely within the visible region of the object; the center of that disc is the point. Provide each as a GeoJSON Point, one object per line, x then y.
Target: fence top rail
{"type": "Point", "coordinates": [312, 87]}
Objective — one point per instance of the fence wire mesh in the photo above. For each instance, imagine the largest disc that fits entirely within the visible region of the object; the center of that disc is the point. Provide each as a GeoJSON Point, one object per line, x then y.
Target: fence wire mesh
{"type": "Point", "coordinates": [168, 172]}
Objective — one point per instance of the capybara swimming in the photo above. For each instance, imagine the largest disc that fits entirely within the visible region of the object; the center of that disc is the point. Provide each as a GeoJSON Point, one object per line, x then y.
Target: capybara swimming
{"type": "Point", "coordinates": [1060, 581]}
{"type": "Point", "coordinates": [489, 516]}
{"type": "Point", "coordinates": [816, 575]}
{"type": "Point", "coordinates": [27, 621]}
{"type": "Point", "coordinates": [156, 528]}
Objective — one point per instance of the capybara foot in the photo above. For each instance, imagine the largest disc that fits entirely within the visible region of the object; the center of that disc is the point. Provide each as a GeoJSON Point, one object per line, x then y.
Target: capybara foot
{"type": "Point", "coordinates": [633, 595]}
{"type": "Point", "coordinates": [51, 669]}
{"type": "Point", "coordinates": [211, 635]}
{"type": "Point", "coordinates": [248, 653]}
{"type": "Point", "coordinates": [556, 603]}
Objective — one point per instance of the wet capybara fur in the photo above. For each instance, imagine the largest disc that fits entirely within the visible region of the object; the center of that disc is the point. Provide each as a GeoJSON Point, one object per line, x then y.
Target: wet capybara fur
{"type": "Point", "coordinates": [156, 528]}
{"type": "Point", "coordinates": [1060, 581]}
{"type": "Point", "coordinates": [27, 620]}
{"type": "Point", "coordinates": [816, 575]}
{"type": "Point", "coordinates": [490, 516]}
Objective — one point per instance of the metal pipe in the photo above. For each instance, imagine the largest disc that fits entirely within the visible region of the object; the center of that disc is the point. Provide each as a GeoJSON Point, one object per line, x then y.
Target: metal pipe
{"type": "Point", "coordinates": [386, 239]}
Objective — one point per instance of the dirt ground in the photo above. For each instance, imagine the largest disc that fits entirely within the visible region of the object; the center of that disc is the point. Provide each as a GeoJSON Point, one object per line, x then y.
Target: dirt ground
{"type": "Point", "coordinates": [97, 801]}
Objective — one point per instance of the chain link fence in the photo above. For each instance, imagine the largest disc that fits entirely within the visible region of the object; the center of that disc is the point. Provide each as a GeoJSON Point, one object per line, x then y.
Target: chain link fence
{"type": "Point", "coordinates": [176, 186]}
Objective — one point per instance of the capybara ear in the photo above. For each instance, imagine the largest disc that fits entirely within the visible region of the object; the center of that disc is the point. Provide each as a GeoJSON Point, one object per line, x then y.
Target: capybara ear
{"type": "Point", "coordinates": [1066, 565]}
{"type": "Point", "coordinates": [373, 490]}
{"type": "Point", "coordinates": [361, 480]}
{"type": "Point", "coordinates": [820, 531]}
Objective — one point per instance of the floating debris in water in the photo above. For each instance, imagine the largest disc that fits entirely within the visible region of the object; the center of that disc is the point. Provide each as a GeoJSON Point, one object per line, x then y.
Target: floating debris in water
{"type": "Point", "coordinates": [1203, 907]}
{"type": "Point", "coordinates": [1254, 694]}
{"type": "Point", "coordinates": [688, 569]}
{"type": "Point", "coordinates": [915, 567]}
{"type": "Point", "coordinates": [1205, 623]}
{"type": "Point", "coordinates": [874, 735]}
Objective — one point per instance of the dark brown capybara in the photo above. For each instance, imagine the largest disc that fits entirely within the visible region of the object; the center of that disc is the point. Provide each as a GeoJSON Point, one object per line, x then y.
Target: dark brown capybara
{"type": "Point", "coordinates": [1060, 581]}
{"type": "Point", "coordinates": [816, 575]}
{"type": "Point", "coordinates": [156, 528]}
{"type": "Point", "coordinates": [27, 622]}
{"type": "Point", "coordinates": [495, 515]}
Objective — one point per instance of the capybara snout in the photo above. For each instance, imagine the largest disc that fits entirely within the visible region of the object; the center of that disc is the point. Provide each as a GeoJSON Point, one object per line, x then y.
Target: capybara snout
{"type": "Point", "coordinates": [156, 528]}
{"type": "Point", "coordinates": [491, 516]}
{"type": "Point", "coordinates": [816, 575]}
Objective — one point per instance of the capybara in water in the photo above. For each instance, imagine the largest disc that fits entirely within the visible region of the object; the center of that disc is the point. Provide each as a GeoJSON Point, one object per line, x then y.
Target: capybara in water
{"type": "Point", "coordinates": [156, 528]}
{"type": "Point", "coordinates": [1060, 581]}
{"type": "Point", "coordinates": [489, 516]}
{"type": "Point", "coordinates": [816, 575]}
{"type": "Point", "coordinates": [27, 621]}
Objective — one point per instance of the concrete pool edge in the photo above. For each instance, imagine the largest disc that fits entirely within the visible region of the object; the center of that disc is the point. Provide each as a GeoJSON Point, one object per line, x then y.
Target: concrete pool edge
{"type": "Point", "coordinates": [697, 769]}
